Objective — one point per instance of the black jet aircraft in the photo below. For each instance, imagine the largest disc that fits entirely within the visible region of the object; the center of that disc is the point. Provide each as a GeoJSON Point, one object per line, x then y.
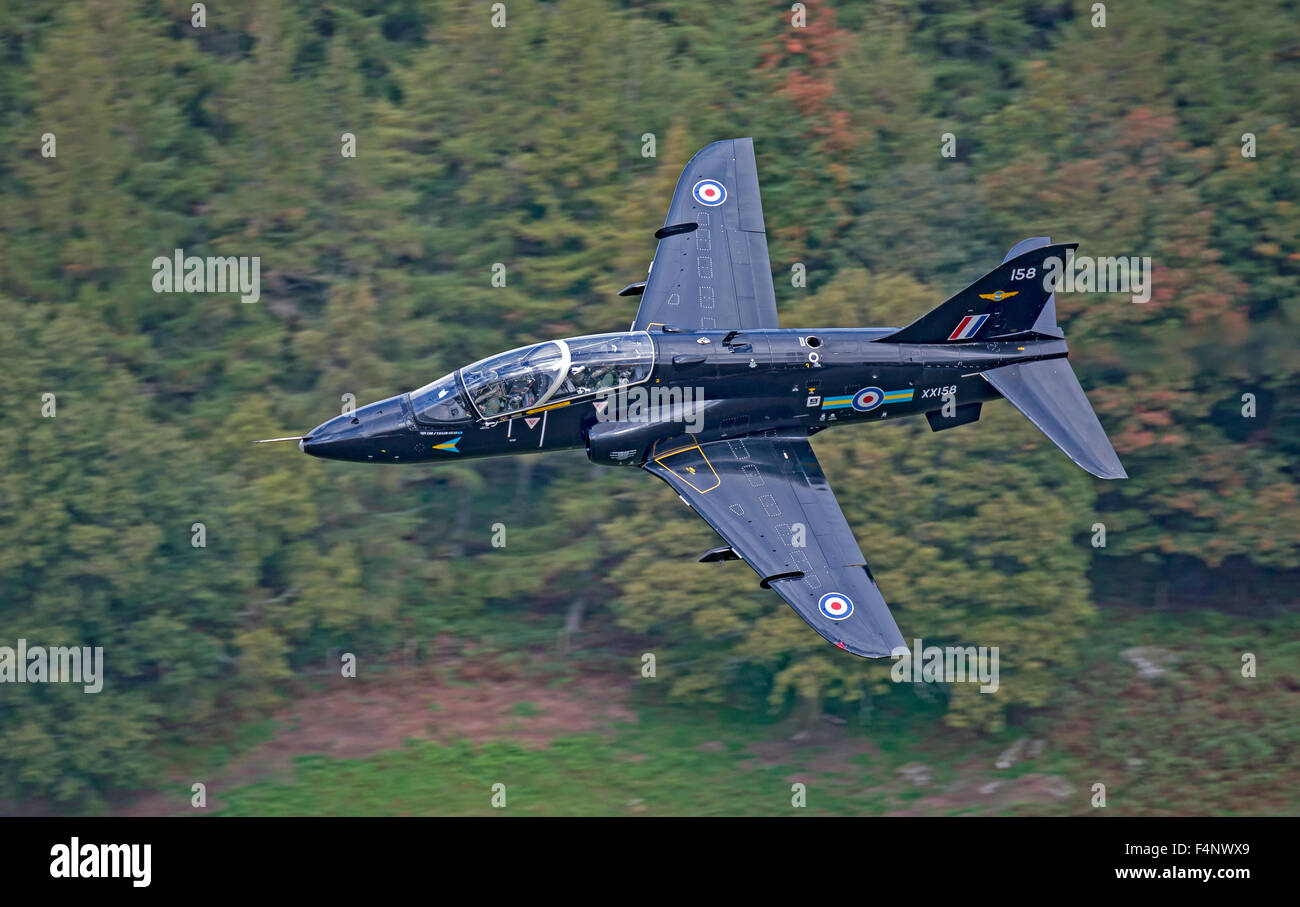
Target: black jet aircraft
{"type": "Point", "coordinates": [708, 392]}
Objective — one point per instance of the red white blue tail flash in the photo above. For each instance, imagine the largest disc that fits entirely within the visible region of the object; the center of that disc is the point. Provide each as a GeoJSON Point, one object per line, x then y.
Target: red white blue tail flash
{"type": "Point", "coordinates": [968, 327]}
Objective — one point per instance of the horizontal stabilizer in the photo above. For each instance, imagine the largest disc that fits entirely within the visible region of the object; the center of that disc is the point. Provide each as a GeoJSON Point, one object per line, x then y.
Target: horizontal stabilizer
{"type": "Point", "coordinates": [1049, 395]}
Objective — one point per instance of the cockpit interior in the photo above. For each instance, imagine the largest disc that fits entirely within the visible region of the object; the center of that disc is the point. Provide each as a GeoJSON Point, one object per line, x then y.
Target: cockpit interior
{"type": "Point", "coordinates": [535, 376]}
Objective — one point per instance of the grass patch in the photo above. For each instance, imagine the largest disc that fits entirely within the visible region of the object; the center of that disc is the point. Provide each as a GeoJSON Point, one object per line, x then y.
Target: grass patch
{"type": "Point", "coordinates": [1201, 740]}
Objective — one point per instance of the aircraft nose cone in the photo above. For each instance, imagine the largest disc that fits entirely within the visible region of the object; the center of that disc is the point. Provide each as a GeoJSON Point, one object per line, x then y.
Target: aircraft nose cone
{"type": "Point", "coordinates": [332, 437]}
{"type": "Point", "coordinates": [362, 435]}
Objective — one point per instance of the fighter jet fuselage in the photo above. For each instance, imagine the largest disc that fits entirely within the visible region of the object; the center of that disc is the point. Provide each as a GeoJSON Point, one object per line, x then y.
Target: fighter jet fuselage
{"type": "Point", "coordinates": [660, 386]}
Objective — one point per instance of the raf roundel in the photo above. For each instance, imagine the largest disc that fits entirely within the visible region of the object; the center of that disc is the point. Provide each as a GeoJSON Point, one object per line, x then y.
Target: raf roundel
{"type": "Point", "coordinates": [867, 399]}
{"type": "Point", "coordinates": [709, 192]}
{"type": "Point", "coordinates": [835, 605]}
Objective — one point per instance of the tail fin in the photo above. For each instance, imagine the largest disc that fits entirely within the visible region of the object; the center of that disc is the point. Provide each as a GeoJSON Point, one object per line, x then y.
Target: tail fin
{"type": "Point", "coordinates": [1010, 300]}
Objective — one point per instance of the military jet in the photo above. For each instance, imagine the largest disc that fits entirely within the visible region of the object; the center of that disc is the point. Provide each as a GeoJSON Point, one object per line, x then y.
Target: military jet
{"type": "Point", "coordinates": [708, 392]}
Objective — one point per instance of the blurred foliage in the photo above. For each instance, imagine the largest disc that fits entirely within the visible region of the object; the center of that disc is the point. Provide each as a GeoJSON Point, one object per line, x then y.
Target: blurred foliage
{"type": "Point", "coordinates": [523, 146]}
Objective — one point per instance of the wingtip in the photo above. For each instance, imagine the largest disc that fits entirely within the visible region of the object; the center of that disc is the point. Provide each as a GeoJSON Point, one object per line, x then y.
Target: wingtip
{"type": "Point", "coordinates": [1112, 470]}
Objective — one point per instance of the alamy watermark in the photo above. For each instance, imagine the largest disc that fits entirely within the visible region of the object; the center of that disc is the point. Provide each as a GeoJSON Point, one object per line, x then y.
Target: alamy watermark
{"type": "Point", "coordinates": [653, 404]}
{"type": "Point", "coordinates": [946, 664]}
{"type": "Point", "coordinates": [75, 860]}
{"type": "Point", "coordinates": [56, 664]}
{"type": "Point", "coordinates": [183, 273]}
{"type": "Point", "coordinates": [1083, 274]}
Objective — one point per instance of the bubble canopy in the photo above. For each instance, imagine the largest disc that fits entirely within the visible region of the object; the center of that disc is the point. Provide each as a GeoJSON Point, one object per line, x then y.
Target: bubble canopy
{"type": "Point", "coordinates": [536, 376]}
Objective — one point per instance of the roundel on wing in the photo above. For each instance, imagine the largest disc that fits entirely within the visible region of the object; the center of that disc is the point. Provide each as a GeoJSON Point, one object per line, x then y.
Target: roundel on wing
{"type": "Point", "coordinates": [835, 605]}
{"type": "Point", "coordinates": [709, 192]}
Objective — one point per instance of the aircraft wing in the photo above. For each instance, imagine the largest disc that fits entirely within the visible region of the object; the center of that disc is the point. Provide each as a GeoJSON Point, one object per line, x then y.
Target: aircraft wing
{"type": "Point", "coordinates": [757, 492]}
{"type": "Point", "coordinates": [711, 269]}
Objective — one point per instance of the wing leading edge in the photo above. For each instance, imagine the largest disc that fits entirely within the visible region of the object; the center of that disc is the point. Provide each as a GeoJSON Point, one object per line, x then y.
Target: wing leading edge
{"type": "Point", "coordinates": [716, 275]}
{"type": "Point", "coordinates": [757, 492]}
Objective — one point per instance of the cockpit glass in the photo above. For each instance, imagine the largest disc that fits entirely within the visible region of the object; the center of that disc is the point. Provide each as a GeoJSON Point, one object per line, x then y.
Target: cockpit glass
{"type": "Point", "coordinates": [440, 401]}
{"type": "Point", "coordinates": [603, 362]}
{"type": "Point", "coordinates": [558, 370]}
{"type": "Point", "coordinates": [514, 380]}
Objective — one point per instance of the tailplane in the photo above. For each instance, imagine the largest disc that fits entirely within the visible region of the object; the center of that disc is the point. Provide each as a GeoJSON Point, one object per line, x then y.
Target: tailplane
{"type": "Point", "coordinates": [1049, 395]}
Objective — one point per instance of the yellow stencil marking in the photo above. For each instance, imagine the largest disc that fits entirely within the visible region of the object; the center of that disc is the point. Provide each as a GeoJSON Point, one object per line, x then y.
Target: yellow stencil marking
{"type": "Point", "coordinates": [543, 408]}
{"type": "Point", "coordinates": [690, 469]}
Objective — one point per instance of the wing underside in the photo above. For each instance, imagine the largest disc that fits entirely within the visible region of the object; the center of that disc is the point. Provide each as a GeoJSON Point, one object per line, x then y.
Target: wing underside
{"type": "Point", "coordinates": [711, 268]}
{"type": "Point", "coordinates": [767, 496]}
